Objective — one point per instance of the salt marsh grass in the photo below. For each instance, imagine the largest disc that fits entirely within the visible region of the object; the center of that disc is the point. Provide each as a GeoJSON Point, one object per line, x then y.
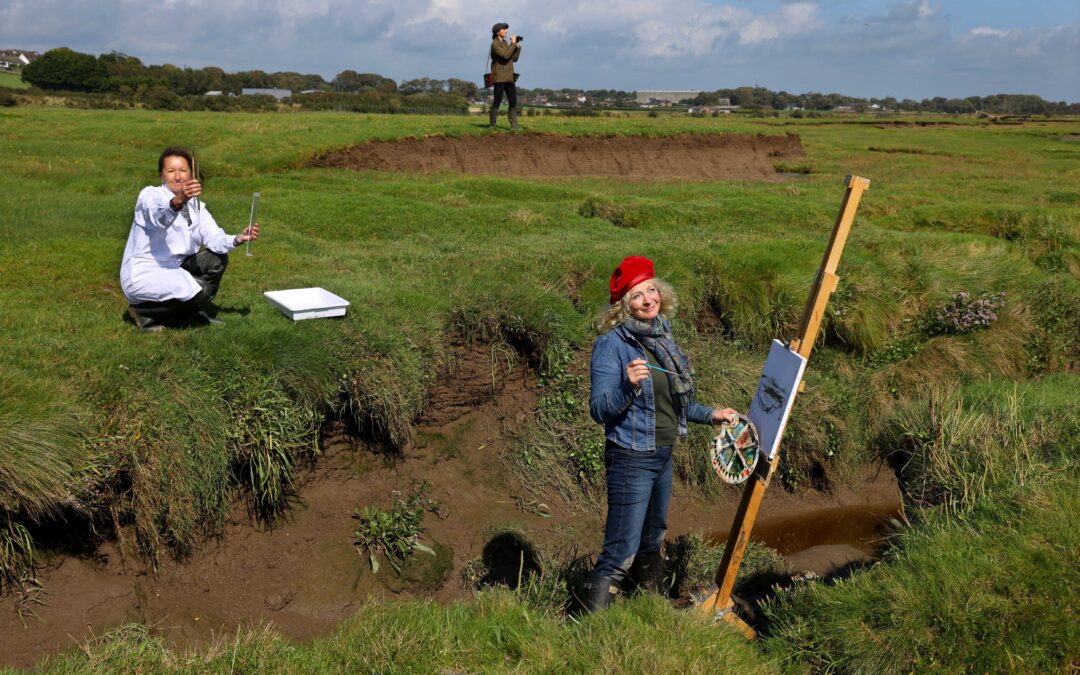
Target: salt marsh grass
{"type": "Point", "coordinates": [160, 433]}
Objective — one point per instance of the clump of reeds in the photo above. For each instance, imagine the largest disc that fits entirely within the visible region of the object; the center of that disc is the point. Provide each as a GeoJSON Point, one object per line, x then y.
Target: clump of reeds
{"type": "Point", "coordinates": [617, 214]}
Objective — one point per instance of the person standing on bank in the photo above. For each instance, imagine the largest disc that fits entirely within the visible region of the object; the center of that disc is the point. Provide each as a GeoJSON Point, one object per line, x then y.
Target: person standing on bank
{"type": "Point", "coordinates": [505, 51]}
{"type": "Point", "coordinates": [176, 253]}
{"type": "Point", "coordinates": [643, 410]}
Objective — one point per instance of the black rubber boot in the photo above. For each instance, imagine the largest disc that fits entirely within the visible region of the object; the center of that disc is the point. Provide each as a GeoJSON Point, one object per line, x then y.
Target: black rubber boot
{"type": "Point", "coordinates": [595, 594]}
{"type": "Point", "coordinates": [647, 573]}
{"type": "Point", "coordinates": [145, 322]}
{"type": "Point", "coordinates": [205, 318]}
{"type": "Point", "coordinates": [513, 115]}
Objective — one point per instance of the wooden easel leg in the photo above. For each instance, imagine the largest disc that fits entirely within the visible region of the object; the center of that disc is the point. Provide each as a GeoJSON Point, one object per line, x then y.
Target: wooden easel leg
{"type": "Point", "coordinates": [719, 602]}
{"type": "Point", "coordinates": [728, 615]}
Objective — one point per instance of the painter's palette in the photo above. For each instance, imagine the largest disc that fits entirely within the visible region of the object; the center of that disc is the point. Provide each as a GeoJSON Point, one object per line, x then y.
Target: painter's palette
{"type": "Point", "coordinates": [735, 450]}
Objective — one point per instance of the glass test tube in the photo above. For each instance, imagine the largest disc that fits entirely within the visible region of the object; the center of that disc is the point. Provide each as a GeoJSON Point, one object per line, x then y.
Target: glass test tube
{"type": "Point", "coordinates": [194, 211]}
{"type": "Point", "coordinates": [251, 221]}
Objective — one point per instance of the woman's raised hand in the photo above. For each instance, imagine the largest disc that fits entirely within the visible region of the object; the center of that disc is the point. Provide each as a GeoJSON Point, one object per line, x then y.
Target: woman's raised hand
{"type": "Point", "coordinates": [721, 415]}
{"type": "Point", "coordinates": [191, 188]}
{"type": "Point", "coordinates": [248, 233]}
{"type": "Point", "coordinates": [636, 371]}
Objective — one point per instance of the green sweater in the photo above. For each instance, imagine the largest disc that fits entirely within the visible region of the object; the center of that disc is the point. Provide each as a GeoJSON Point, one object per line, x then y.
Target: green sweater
{"type": "Point", "coordinates": [667, 420]}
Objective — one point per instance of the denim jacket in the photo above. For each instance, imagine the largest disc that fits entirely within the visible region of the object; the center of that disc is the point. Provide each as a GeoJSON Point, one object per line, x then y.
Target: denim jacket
{"type": "Point", "coordinates": [628, 414]}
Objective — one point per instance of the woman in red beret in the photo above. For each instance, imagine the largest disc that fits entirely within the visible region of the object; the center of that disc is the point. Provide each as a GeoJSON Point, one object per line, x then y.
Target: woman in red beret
{"type": "Point", "coordinates": [643, 394]}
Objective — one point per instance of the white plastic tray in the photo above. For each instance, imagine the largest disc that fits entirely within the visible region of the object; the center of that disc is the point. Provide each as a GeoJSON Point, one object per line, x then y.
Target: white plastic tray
{"type": "Point", "coordinates": [307, 303]}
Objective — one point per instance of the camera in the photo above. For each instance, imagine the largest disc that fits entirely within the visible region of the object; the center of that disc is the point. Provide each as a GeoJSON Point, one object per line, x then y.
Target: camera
{"type": "Point", "coordinates": [519, 38]}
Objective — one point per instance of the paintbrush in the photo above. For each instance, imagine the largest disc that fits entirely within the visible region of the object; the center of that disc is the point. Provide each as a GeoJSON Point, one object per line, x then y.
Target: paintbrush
{"type": "Point", "coordinates": [660, 369]}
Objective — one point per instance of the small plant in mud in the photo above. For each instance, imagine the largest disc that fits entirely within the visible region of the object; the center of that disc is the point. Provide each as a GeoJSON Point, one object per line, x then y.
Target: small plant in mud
{"type": "Point", "coordinates": [16, 554]}
{"type": "Point", "coordinates": [394, 533]}
{"type": "Point", "coordinates": [588, 457]}
{"type": "Point", "coordinates": [899, 350]}
{"type": "Point", "coordinates": [17, 569]}
{"type": "Point", "coordinates": [965, 313]}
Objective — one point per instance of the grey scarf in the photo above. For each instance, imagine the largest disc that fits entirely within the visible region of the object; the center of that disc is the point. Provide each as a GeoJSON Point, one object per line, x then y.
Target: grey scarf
{"type": "Point", "coordinates": [656, 336]}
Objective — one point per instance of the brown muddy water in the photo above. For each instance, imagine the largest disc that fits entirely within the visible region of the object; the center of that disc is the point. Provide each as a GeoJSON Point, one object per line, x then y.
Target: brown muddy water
{"type": "Point", "coordinates": [862, 527]}
{"type": "Point", "coordinates": [829, 539]}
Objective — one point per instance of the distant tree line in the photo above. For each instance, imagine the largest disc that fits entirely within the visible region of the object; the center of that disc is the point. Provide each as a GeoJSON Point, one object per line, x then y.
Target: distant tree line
{"type": "Point", "coordinates": [167, 86]}
{"type": "Point", "coordinates": [171, 87]}
{"type": "Point", "coordinates": [606, 97]}
{"type": "Point", "coordinates": [1001, 104]}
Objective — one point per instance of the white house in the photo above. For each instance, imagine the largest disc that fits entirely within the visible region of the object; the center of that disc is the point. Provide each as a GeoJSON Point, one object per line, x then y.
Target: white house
{"type": "Point", "coordinates": [276, 93]}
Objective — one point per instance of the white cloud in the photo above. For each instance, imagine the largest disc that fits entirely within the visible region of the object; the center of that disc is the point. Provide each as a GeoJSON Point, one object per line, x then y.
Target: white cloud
{"type": "Point", "coordinates": [987, 30]}
{"type": "Point", "coordinates": [792, 19]}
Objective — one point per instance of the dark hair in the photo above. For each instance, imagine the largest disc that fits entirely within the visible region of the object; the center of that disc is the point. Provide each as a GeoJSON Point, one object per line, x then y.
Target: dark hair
{"type": "Point", "coordinates": [175, 151]}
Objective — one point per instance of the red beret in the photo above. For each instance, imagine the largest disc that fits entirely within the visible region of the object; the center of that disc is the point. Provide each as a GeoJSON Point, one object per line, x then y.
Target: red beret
{"type": "Point", "coordinates": [631, 271]}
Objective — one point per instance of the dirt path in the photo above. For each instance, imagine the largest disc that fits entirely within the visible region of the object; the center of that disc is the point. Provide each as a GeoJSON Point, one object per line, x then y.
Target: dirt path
{"type": "Point", "coordinates": [688, 156]}
{"type": "Point", "coordinates": [305, 576]}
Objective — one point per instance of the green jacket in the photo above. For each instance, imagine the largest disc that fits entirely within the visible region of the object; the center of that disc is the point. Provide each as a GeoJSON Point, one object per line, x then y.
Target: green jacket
{"type": "Point", "coordinates": [503, 56]}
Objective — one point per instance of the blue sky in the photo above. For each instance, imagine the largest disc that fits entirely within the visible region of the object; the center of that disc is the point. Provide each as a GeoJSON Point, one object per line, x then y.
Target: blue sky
{"type": "Point", "coordinates": [869, 48]}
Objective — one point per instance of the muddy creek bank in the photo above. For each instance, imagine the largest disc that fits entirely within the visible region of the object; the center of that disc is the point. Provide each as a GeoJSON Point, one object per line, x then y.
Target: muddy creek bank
{"type": "Point", "coordinates": [683, 156]}
{"type": "Point", "coordinates": [305, 576]}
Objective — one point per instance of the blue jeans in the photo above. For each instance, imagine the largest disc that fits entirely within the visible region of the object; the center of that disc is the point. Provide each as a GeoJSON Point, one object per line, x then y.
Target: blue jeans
{"type": "Point", "coordinates": [638, 496]}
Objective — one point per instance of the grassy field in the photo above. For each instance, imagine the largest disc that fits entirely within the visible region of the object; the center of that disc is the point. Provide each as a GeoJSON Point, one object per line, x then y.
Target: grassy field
{"type": "Point", "coordinates": [12, 81]}
{"type": "Point", "coordinates": [152, 436]}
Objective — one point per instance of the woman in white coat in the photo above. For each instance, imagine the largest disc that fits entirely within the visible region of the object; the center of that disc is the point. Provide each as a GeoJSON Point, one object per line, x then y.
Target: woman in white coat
{"type": "Point", "coordinates": [176, 253]}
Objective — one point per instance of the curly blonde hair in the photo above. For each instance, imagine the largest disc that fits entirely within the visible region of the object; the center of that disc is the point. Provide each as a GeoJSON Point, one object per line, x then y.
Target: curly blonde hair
{"type": "Point", "coordinates": [615, 314]}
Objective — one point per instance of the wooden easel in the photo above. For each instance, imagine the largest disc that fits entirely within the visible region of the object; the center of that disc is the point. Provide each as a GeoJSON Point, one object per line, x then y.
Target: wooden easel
{"type": "Point", "coordinates": [719, 603]}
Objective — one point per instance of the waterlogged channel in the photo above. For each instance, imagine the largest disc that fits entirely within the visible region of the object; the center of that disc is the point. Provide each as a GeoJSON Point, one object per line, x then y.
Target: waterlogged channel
{"type": "Point", "coordinates": [828, 539]}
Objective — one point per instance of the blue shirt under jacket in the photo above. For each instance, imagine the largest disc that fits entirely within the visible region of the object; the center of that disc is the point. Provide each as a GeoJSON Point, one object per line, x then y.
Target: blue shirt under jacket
{"type": "Point", "coordinates": [628, 414]}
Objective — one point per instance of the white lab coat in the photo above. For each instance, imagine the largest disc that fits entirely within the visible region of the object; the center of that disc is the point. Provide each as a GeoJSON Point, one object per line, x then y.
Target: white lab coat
{"type": "Point", "coordinates": [160, 240]}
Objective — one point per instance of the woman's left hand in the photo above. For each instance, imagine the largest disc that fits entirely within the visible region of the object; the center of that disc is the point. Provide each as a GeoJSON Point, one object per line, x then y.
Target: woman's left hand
{"type": "Point", "coordinates": [721, 415]}
{"type": "Point", "coordinates": [250, 233]}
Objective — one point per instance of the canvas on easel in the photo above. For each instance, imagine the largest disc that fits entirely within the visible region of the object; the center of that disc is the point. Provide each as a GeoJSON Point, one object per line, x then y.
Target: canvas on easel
{"type": "Point", "coordinates": [775, 395]}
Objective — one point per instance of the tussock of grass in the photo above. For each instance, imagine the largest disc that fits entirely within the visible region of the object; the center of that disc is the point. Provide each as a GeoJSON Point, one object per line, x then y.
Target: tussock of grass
{"type": "Point", "coordinates": [618, 215]}
{"type": "Point", "coordinates": [493, 633]}
{"type": "Point", "coordinates": [43, 462]}
{"type": "Point", "coordinates": [955, 448]}
{"type": "Point", "coordinates": [989, 472]}
{"type": "Point", "coordinates": [978, 594]}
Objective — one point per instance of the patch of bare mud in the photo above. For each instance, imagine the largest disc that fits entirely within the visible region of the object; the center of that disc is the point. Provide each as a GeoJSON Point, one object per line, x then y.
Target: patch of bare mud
{"type": "Point", "coordinates": [685, 156]}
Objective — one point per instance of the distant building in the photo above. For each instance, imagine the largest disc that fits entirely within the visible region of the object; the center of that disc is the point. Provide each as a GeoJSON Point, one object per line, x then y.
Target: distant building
{"type": "Point", "coordinates": [17, 57]}
{"type": "Point", "coordinates": [212, 93]}
{"type": "Point", "coordinates": [14, 59]}
{"type": "Point", "coordinates": [276, 93]}
{"type": "Point", "coordinates": [669, 96]}
{"type": "Point", "coordinates": [711, 109]}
